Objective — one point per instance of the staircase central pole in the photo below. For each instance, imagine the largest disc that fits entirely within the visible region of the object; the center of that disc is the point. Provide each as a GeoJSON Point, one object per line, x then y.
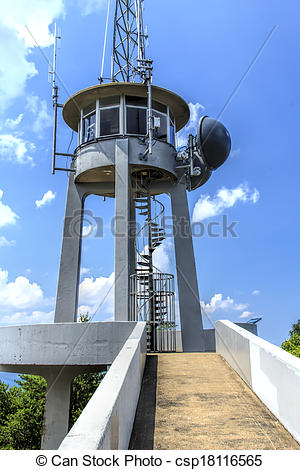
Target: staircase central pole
{"type": "Point", "coordinates": [151, 282]}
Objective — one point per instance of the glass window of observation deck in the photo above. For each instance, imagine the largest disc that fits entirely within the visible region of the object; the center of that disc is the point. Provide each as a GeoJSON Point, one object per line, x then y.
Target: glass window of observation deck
{"type": "Point", "coordinates": [89, 123]}
{"type": "Point", "coordinates": [161, 132]}
{"type": "Point", "coordinates": [109, 115]}
{"type": "Point", "coordinates": [136, 119]}
{"type": "Point", "coordinates": [136, 115]}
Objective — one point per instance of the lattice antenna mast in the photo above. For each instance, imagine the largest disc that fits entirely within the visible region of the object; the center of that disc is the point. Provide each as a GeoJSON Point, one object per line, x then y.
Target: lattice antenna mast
{"type": "Point", "coordinates": [128, 41]}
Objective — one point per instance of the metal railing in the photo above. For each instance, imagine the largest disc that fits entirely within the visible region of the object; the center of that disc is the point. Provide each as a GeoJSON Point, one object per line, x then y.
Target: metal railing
{"type": "Point", "coordinates": [155, 306]}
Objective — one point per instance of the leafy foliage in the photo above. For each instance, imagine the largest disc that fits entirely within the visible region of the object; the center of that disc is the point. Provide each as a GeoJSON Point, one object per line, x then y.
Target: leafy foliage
{"type": "Point", "coordinates": [295, 328]}
{"type": "Point", "coordinates": [84, 387]}
{"type": "Point", "coordinates": [292, 345]}
{"type": "Point", "coordinates": [22, 407]}
{"type": "Point", "coordinates": [21, 411]}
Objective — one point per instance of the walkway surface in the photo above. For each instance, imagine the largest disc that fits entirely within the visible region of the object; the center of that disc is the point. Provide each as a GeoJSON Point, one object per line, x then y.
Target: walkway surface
{"type": "Point", "coordinates": [196, 401]}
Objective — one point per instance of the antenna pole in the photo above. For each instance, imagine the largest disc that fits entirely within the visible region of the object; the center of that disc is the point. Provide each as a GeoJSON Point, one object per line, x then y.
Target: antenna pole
{"type": "Point", "coordinates": [55, 101]}
{"type": "Point", "coordinates": [105, 40]}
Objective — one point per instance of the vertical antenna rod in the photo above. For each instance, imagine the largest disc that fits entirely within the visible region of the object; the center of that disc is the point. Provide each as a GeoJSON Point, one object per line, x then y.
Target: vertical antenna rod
{"type": "Point", "coordinates": [56, 105]}
{"type": "Point", "coordinates": [55, 98]}
{"type": "Point", "coordinates": [105, 40]}
{"type": "Point", "coordinates": [128, 40]}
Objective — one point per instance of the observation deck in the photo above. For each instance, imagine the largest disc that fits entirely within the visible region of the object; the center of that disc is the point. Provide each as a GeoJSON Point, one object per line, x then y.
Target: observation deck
{"type": "Point", "coordinates": [105, 113]}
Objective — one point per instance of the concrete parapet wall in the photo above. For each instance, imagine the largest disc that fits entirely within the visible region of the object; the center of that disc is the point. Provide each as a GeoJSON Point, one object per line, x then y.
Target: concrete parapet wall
{"type": "Point", "coordinates": [68, 344]}
{"type": "Point", "coordinates": [272, 373]}
{"type": "Point", "coordinates": [107, 420]}
{"type": "Point", "coordinates": [210, 337]}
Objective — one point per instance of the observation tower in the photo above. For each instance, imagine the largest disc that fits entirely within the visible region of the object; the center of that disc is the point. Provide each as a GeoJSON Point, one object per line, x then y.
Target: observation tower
{"type": "Point", "coordinates": [127, 150]}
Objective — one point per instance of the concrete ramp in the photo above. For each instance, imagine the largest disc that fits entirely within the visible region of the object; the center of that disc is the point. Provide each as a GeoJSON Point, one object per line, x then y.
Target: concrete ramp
{"type": "Point", "coordinates": [197, 401]}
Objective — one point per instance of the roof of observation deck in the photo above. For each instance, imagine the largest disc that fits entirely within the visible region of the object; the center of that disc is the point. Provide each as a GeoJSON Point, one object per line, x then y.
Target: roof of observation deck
{"type": "Point", "coordinates": [83, 98]}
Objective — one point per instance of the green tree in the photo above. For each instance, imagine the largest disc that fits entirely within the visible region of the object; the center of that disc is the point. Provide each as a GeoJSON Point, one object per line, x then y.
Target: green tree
{"type": "Point", "coordinates": [292, 345]}
{"type": "Point", "coordinates": [22, 426]}
{"type": "Point", "coordinates": [5, 401]}
{"type": "Point", "coordinates": [83, 388]}
{"type": "Point", "coordinates": [295, 328]}
{"type": "Point", "coordinates": [22, 407]}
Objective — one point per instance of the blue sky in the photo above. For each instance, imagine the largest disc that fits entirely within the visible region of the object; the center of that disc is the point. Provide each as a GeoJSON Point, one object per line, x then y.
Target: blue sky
{"type": "Point", "coordinates": [201, 50]}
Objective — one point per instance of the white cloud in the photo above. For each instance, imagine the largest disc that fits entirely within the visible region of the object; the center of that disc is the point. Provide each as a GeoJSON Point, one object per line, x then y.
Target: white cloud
{"type": "Point", "coordinates": [256, 292]}
{"type": "Point", "coordinates": [196, 110]}
{"type": "Point", "coordinates": [16, 149]}
{"type": "Point", "coordinates": [18, 294]}
{"type": "Point", "coordinates": [7, 215]}
{"type": "Point", "coordinates": [84, 271]}
{"type": "Point", "coordinates": [97, 294]}
{"type": "Point", "coordinates": [83, 310]}
{"type": "Point", "coordinates": [162, 256]}
{"type": "Point", "coordinates": [35, 16]}
{"type": "Point", "coordinates": [246, 314]}
{"type": "Point", "coordinates": [15, 70]}
{"type": "Point", "coordinates": [217, 302]}
{"type": "Point", "coordinates": [235, 152]}
{"type": "Point", "coordinates": [13, 123]}
{"type": "Point", "coordinates": [16, 43]}
{"type": "Point", "coordinates": [46, 199]}
{"type": "Point", "coordinates": [91, 6]}
{"type": "Point", "coordinates": [4, 242]}
{"type": "Point", "coordinates": [42, 117]}
{"type": "Point", "coordinates": [29, 317]}
{"type": "Point", "coordinates": [23, 301]}
{"type": "Point", "coordinates": [208, 206]}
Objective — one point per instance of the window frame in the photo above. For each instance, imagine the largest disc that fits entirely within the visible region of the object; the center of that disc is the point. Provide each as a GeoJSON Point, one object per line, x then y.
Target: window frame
{"type": "Point", "coordinates": [171, 121]}
{"type": "Point", "coordinates": [125, 118]}
{"type": "Point", "coordinates": [123, 121]}
{"type": "Point", "coordinates": [84, 116]}
{"type": "Point", "coordinates": [99, 128]}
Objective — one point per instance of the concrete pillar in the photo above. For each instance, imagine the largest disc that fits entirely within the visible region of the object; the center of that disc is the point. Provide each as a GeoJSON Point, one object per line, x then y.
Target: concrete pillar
{"type": "Point", "coordinates": [132, 249]}
{"type": "Point", "coordinates": [122, 231]}
{"type": "Point", "coordinates": [69, 270]}
{"type": "Point", "coordinates": [57, 408]}
{"type": "Point", "coordinates": [188, 293]}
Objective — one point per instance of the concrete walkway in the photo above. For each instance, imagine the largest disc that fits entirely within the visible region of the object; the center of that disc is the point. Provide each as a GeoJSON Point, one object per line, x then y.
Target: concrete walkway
{"type": "Point", "coordinates": [196, 401]}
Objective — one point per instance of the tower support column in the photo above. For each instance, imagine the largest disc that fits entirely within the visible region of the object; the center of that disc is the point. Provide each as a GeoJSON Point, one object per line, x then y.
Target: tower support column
{"type": "Point", "coordinates": [57, 408]}
{"type": "Point", "coordinates": [188, 292]}
{"type": "Point", "coordinates": [69, 270]}
{"type": "Point", "coordinates": [122, 230]}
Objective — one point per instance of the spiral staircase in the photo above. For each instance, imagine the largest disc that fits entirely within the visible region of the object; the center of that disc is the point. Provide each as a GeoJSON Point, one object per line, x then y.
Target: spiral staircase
{"type": "Point", "coordinates": [152, 291]}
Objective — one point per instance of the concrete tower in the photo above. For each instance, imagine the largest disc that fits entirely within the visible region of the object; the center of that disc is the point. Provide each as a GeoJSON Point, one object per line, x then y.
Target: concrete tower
{"type": "Point", "coordinates": [112, 159]}
{"type": "Point", "coordinates": [126, 150]}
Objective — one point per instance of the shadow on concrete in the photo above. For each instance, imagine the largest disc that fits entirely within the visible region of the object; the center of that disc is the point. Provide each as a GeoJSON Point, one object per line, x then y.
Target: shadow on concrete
{"type": "Point", "coordinates": [142, 437]}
